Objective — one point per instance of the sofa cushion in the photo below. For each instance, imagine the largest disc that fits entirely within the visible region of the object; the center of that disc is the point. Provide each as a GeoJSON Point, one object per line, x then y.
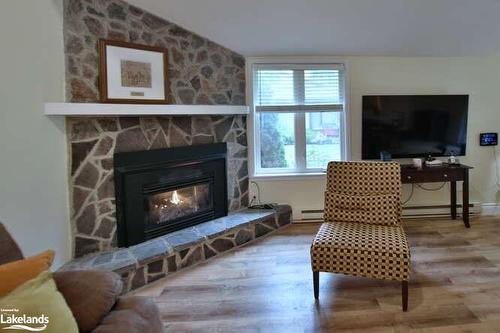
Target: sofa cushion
{"type": "Point", "coordinates": [9, 251]}
{"type": "Point", "coordinates": [132, 315]}
{"type": "Point", "coordinates": [381, 209]}
{"type": "Point", "coordinates": [89, 294]}
{"type": "Point", "coordinates": [15, 273]}
{"type": "Point", "coordinates": [36, 298]}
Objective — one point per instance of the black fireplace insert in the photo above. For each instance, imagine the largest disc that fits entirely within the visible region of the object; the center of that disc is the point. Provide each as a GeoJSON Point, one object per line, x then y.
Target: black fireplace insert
{"type": "Point", "coordinates": [164, 190]}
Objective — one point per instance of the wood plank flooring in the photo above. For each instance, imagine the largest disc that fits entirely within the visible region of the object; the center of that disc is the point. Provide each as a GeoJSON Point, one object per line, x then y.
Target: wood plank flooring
{"type": "Point", "coordinates": [266, 286]}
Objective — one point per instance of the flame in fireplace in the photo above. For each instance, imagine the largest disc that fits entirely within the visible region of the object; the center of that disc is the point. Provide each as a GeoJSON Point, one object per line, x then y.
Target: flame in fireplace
{"type": "Point", "coordinates": [175, 198]}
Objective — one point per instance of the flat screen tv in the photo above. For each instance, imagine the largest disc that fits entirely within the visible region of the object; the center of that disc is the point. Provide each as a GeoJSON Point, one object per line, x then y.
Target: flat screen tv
{"type": "Point", "coordinates": [414, 126]}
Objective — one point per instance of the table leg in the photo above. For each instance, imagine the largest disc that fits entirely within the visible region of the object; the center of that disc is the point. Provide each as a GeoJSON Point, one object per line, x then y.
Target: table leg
{"type": "Point", "coordinates": [453, 199]}
{"type": "Point", "coordinates": [465, 199]}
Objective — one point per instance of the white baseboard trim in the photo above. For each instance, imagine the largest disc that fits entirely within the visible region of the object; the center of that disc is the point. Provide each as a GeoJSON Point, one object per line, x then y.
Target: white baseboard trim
{"type": "Point", "coordinates": [490, 208]}
{"type": "Point", "coordinates": [475, 209]}
{"type": "Point", "coordinates": [438, 210]}
{"type": "Point", "coordinates": [308, 221]}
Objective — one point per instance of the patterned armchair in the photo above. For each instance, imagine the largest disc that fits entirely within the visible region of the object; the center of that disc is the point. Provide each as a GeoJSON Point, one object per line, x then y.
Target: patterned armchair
{"type": "Point", "coordinates": [362, 234]}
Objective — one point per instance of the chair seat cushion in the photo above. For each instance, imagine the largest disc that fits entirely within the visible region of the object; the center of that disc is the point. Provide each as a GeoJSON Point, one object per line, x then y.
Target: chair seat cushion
{"type": "Point", "coordinates": [361, 249]}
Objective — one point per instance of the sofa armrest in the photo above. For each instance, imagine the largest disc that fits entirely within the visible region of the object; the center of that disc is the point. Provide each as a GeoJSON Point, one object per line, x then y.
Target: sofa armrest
{"type": "Point", "coordinates": [9, 251]}
{"type": "Point", "coordinates": [90, 295]}
{"type": "Point", "coordinates": [132, 314]}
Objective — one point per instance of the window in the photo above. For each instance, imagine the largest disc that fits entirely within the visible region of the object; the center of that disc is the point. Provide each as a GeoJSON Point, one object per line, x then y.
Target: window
{"type": "Point", "coordinates": [299, 115]}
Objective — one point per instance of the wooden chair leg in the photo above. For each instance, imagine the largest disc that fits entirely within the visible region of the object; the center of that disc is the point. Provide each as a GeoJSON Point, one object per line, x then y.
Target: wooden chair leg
{"type": "Point", "coordinates": [404, 293]}
{"type": "Point", "coordinates": [316, 284]}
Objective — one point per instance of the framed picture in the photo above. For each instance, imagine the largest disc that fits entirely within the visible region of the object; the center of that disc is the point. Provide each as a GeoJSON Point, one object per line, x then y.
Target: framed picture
{"type": "Point", "coordinates": [132, 73]}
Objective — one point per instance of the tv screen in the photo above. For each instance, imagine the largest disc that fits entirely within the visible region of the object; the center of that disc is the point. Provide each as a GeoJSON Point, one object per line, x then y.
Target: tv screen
{"type": "Point", "coordinates": [414, 126]}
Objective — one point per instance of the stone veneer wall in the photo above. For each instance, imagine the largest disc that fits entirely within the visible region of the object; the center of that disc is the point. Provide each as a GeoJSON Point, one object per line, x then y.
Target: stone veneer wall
{"type": "Point", "coordinates": [200, 72]}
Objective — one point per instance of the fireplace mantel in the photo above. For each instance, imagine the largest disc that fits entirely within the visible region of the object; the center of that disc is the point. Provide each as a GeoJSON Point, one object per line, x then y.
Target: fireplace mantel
{"type": "Point", "coordinates": [100, 110]}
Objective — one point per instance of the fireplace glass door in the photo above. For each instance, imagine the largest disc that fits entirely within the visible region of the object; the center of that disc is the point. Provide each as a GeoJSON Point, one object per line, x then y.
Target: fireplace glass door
{"type": "Point", "coordinates": [182, 202]}
{"type": "Point", "coordinates": [165, 190]}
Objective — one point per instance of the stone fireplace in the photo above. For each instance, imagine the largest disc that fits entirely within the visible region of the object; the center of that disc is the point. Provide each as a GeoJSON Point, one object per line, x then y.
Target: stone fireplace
{"type": "Point", "coordinates": [95, 141]}
{"type": "Point", "coordinates": [199, 72]}
{"type": "Point", "coordinates": [164, 190]}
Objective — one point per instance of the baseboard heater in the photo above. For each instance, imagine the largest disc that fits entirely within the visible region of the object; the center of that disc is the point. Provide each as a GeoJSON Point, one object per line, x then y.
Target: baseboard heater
{"type": "Point", "coordinates": [316, 215]}
{"type": "Point", "coordinates": [311, 215]}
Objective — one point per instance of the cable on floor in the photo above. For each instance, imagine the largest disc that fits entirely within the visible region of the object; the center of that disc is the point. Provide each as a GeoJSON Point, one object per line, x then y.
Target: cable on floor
{"type": "Point", "coordinates": [410, 196]}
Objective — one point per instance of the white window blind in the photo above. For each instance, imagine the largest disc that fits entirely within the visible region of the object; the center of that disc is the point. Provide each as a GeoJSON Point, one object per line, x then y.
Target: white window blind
{"type": "Point", "coordinates": [296, 88]}
{"type": "Point", "coordinates": [299, 117]}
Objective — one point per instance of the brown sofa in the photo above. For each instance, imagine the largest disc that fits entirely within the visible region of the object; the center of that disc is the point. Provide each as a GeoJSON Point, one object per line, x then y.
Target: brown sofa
{"type": "Point", "coordinates": [94, 298]}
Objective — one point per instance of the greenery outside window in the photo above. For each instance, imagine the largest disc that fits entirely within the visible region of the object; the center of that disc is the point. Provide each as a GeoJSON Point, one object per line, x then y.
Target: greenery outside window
{"type": "Point", "coordinates": [299, 119]}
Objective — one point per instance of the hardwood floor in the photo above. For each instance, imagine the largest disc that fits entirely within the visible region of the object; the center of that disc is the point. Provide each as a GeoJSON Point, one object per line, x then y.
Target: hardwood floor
{"type": "Point", "coordinates": [267, 286]}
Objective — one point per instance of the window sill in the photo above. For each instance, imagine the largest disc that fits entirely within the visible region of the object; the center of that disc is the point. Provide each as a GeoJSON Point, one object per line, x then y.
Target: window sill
{"type": "Point", "coordinates": [288, 176]}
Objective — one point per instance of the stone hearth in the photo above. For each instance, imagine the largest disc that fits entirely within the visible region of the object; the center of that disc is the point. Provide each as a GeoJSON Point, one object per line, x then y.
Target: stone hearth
{"type": "Point", "coordinates": [147, 262]}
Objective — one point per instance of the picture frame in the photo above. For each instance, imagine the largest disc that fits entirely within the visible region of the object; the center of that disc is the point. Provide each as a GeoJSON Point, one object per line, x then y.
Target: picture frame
{"type": "Point", "coordinates": [132, 73]}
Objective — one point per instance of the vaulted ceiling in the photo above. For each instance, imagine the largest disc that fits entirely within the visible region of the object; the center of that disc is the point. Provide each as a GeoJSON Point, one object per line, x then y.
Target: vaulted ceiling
{"type": "Point", "coordinates": [340, 27]}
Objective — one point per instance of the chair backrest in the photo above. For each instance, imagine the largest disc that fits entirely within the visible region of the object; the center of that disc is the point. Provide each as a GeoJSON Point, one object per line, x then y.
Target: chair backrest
{"type": "Point", "coordinates": [9, 251]}
{"type": "Point", "coordinates": [364, 178]}
{"type": "Point", "coordinates": [364, 192]}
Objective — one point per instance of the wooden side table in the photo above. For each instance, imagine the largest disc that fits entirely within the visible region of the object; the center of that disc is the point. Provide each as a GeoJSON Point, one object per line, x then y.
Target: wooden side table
{"type": "Point", "coordinates": [443, 173]}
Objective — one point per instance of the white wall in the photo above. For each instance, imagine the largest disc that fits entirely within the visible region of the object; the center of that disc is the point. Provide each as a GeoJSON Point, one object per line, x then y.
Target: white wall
{"type": "Point", "coordinates": [33, 172]}
{"type": "Point", "coordinates": [477, 76]}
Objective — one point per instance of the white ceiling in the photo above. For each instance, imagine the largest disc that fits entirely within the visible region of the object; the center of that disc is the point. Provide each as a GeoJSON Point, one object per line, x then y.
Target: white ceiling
{"type": "Point", "coordinates": [340, 27]}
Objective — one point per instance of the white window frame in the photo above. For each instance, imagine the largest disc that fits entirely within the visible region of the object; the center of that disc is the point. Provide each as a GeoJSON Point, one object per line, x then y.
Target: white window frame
{"type": "Point", "coordinates": [255, 170]}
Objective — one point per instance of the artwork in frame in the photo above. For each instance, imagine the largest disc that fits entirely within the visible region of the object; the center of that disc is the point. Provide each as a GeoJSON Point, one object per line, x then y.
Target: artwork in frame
{"type": "Point", "coordinates": [132, 73]}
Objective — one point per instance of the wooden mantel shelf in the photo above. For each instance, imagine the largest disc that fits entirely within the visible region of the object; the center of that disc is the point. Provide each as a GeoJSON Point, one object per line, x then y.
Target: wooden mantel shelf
{"type": "Point", "coordinates": [98, 109]}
